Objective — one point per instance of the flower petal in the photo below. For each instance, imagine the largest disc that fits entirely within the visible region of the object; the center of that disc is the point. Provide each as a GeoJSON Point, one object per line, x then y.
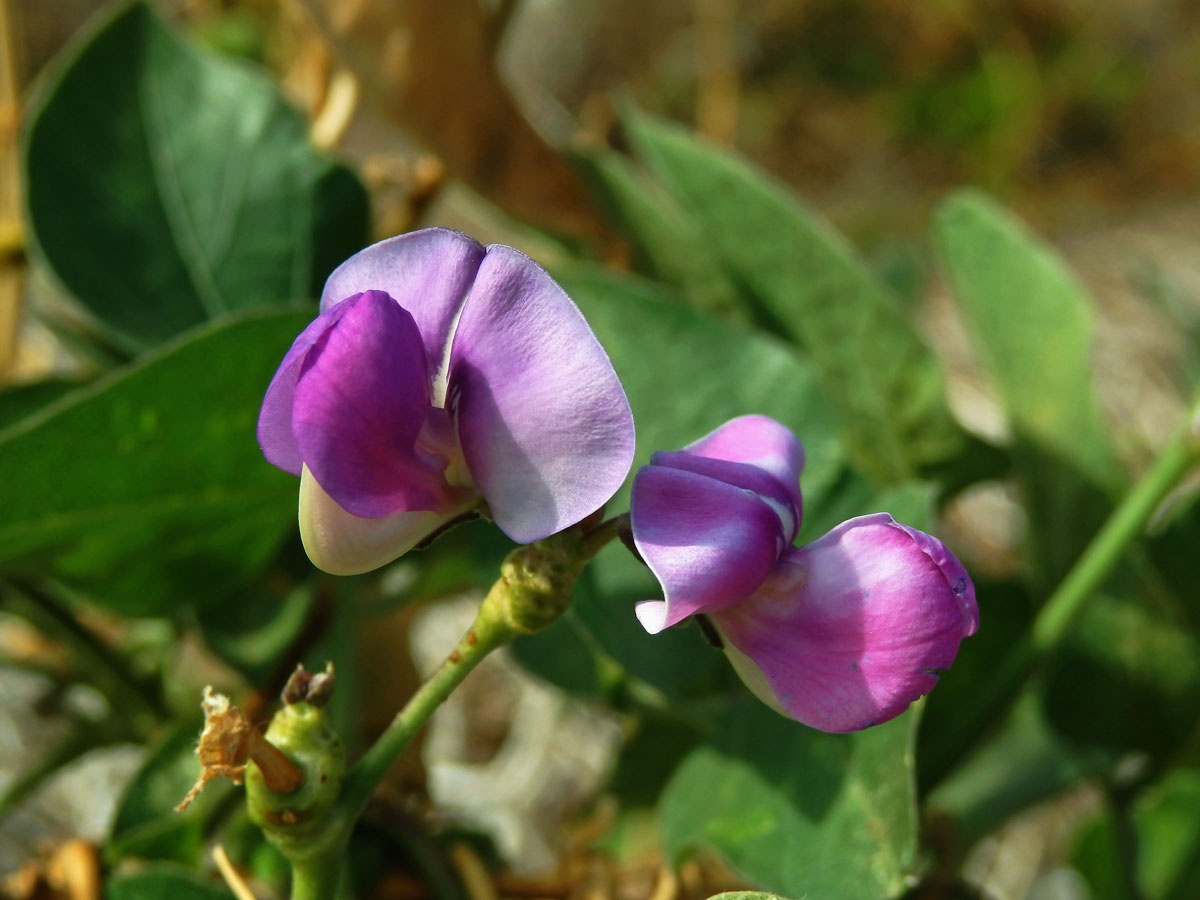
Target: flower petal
{"type": "Point", "coordinates": [850, 629]}
{"type": "Point", "coordinates": [710, 544]}
{"type": "Point", "coordinates": [343, 544]}
{"type": "Point", "coordinates": [543, 421]}
{"type": "Point", "coordinates": [275, 434]}
{"type": "Point", "coordinates": [360, 402]}
{"type": "Point", "coordinates": [752, 452]}
{"type": "Point", "coordinates": [428, 272]}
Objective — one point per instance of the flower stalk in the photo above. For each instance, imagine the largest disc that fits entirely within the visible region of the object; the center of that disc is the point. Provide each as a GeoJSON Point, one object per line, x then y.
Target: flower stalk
{"type": "Point", "coordinates": [311, 825]}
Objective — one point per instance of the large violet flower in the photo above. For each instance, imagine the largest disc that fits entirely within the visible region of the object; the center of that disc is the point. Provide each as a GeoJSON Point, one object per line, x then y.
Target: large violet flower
{"type": "Point", "coordinates": [442, 375]}
{"type": "Point", "coordinates": [840, 634]}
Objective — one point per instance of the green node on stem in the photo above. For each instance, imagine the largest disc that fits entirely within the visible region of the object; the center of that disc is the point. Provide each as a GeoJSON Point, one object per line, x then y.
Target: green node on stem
{"type": "Point", "coordinates": [301, 731]}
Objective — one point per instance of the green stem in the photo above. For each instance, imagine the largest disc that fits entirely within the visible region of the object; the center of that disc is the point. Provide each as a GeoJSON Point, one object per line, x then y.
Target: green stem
{"type": "Point", "coordinates": [316, 877]}
{"type": "Point", "coordinates": [481, 639]}
{"type": "Point", "coordinates": [534, 589]}
{"type": "Point", "coordinates": [1127, 523]}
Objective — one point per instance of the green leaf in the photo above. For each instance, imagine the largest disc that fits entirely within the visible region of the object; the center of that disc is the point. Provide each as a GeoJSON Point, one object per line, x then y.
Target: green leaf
{"type": "Point", "coordinates": [885, 384]}
{"type": "Point", "coordinates": [1126, 678]}
{"type": "Point", "coordinates": [1031, 323]}
{"type": "Point", "coordinates": [19, 401]}
{"type": "Point", "coordinates": [146, 825]}
{"type": "Point", "coordinates": [164, 883]}
{"type": "Point", "coordinates": [1166, 821]}
{"type": "Point", "coordinates": [745, 895]}
{"type": "Point", "coordinates": [665, 241]}
{"type": "Point", "coordinates": [686, 373]}
{"type": "Point", "coordinates": [147, 486]}
{"type": "Point", "coordinates": [253, 631]}
{"type": "Point", "coordinates": [167, 186]}
{"type": "Point", "coordinates": [797, 811]}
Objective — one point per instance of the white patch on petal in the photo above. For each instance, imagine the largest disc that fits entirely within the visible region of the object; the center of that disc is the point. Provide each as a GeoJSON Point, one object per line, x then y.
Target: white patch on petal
{"type": "Point", "coordinates": [752, 676]}
{"type": "Point", "coordinates": [441, 376]}
{"type": "Point", "coordinates": [343, 544]}
{"type": "Point", "coordinates": [652, 614]}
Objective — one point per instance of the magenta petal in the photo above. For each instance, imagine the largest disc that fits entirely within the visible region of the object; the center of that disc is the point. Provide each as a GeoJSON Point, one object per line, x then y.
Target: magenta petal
{"type": "Point", "coordinates": [751, 452]}
{"type": "Point", "coordinates": [360, 402]}
{"type": "Point", "coordinates": [710, 544]}
{"type": "Point", "coordinates": [852, 628]}
{"type": "Point", "coordinates": [428, 272]}
{"type": "Point", "coordinates": [275, 434]}
{"type": "Point", "coordinates": [543, 421]}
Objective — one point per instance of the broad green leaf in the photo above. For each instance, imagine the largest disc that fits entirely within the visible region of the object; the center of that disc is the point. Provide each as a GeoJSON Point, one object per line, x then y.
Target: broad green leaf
{"type": "Point", "coordinates": [148, 486]}
{"type": "Point", "coordinates": [147, 825]}
{"type": "Point", "coordinates": [797, 811]}
{"type": "Point", "coordinates": [1031, 323]}
{"type": "Point", "coordinates": [886, 386]}
{"type": "Point", "coordinates": [167, 186]}
{"type": "Point", "coordinates": [745, 895]}
{"type": "Point", "coordinates": [165, 883]}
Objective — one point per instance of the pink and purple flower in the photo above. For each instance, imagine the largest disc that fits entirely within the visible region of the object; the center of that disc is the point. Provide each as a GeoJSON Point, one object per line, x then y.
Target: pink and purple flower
{"type": "Point", "coordinates": [441, 377]}
{"type": "Point", "coordinates": [840, 634]}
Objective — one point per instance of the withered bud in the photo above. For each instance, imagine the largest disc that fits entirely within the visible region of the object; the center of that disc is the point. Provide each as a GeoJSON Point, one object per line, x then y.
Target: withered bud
{"type": "Point", "coordinates": [306, 687]}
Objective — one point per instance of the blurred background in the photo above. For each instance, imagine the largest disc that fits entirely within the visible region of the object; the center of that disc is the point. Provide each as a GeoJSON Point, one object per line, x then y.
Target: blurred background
{"type": "Point", "coordinates": [1084, 118]}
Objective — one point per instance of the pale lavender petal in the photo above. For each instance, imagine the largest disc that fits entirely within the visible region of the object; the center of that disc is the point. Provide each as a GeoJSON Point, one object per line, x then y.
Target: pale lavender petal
{"type": "Point", "coordinates": [343, 544]}
{"type": "Point", "coordinates": [360, 402]}
{"type": "Point", "coordinates": [852, 628]}
{"type": "Point", "coordinates": [542, 418]}
{"type": "Point", "coordinates": [429, 272]}
{"type": "Point", "coordinates": [710, 544]}
{"type": "Point", "coordinates": [275, 434]}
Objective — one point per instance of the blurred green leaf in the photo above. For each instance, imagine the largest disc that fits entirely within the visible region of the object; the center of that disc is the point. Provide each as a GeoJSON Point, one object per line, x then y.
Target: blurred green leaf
{"type": "Point", "coordinates": [1024, 763]}
{"type": "Point", "coordinates": [1166, 823]}
{"type": "Point", "coordinates": [253, 631]}
{"type": "Point", "coordinates": [146, 825]}
{"type": "Point", "coordinates": [886, 386]}
{"type": "Point", "coordinates": [167, 186]}
{"type": "Point", "coordinates": [1126, 678]}
{"type": "Point", "coordinates": [667, 245]}
{"type": "Point", "coordinates": [148, 486]}
{"type": "Point", "coordinates": [745, 895]}
{"type": "Point", "coordinates": [1032, 324]}
{"type": "Point", "coordinates": [686, 373]}
{"type": "Point", "coordinates": [797, 811]}
{"type": "Point", "coordinates": [164, 883]}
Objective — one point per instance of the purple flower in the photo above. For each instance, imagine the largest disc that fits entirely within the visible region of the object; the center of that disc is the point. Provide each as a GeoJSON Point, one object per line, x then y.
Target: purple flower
{"type": "Point", "coordinates": [840, 634]}
{"type": "Point", "coordinates": [440, 376]}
